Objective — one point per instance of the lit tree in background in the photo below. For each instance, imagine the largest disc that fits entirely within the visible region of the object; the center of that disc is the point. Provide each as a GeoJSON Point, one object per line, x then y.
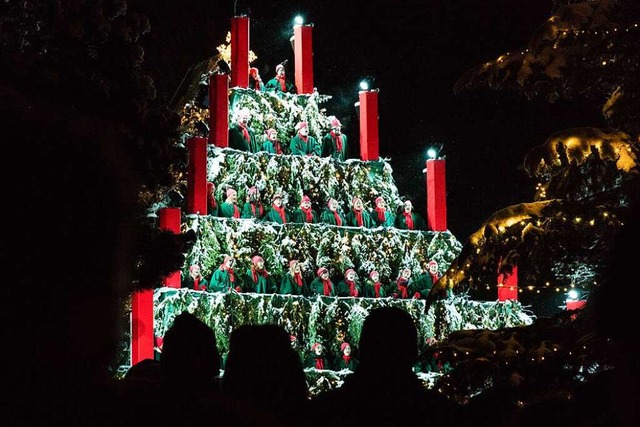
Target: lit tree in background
{"type": "Point", "coordinates": [570, 234]}
{"type": "Point", "coordinates": [585, 52]}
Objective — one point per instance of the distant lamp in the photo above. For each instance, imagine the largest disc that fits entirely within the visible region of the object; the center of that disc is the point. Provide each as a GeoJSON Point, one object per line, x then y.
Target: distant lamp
{"type": "Point", "coordinates": [432, 153]}
{"type": "Point", "coordinates": [298, 20]}
{"type": "Point", "coordinates": [573, 295]}
{"type": "Point", "coordinates": [364, 85]}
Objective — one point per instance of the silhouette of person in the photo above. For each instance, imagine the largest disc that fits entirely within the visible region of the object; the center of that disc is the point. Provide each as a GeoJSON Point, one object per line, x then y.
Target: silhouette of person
{"type": "Point", "coordinates": [609, 310]}
{"type": "Point", "coordinates": [264, 374]}
{"type": "Point", "coordinates": [383, 390]}
{"type": "Point", "coordinates": [190, 358]}
{"type": "Point", "coordinates": [141, 390]}
{"type": "Point", "coordinates": [190, 369]}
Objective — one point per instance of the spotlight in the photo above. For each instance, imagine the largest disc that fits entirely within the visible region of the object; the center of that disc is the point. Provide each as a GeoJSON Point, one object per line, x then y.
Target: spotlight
{"type": "Point", "coordinates": [364, 85]}
{"type": "Point", "coordinates": [298, 20]}
{"type": "Point", "coordinates": [573, 295]}
{"type": "Point", "coordinates": [432, 153]}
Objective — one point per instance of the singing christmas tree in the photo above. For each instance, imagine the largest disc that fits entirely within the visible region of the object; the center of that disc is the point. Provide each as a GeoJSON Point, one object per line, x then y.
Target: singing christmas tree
{"type": "Point", "coordinates": [257, 161]}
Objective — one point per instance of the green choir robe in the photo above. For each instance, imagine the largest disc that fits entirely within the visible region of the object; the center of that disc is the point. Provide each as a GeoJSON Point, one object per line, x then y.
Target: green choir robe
{"type": "Point", "coordinates": [317, 288]}
{"type": "Point", "coordinates": [411, 290]}
{"type": "Point", "coordinates": [272, 148]}
{"type": "Point", "coordinates": [300, 217]}
{"type": "Point", "coordinates": [369, 291]}
{"type": "Point", "coordinates": [263, 285]}
{"type": "Point", "coordinates": [298, 146]}
{"type": "Point", "coordinates": [288, 286]}
{"type": "Point", "coordinates": [328, 217]}
{"type": "Point", "coordinates": [329, 148]}
{"type": "Point", "coordinates": [238, 142]}
{"type": "Point", "coordinates": [228, 209]}
{"type": "Point", "coordinates": [213, 208]}
{"type": "Point", "coordinates": [423, 284]}
{"type": "Point", "coordinates": [189, 283]}
{"type": "Point", "coordinates": [418, 222]}
{"type": "Point", "coordinates": [221, 281]}
{"type": "Point", "coordinates": [351, 220]}
{"type": "Point", "coordinates": [311, 361]}
{"type": "Point", "coordinates": [256, 211]}
{"type": "Point", "coordinates": [389, 219]}
{"type": "Point", "coordinates": [273, 216]}
{"type": "Point", "coordinates": [343, 289]}
{"type": "Point", "coordinates": [273, 85]}
{"type": "Point", "coordinates": [340, 363]}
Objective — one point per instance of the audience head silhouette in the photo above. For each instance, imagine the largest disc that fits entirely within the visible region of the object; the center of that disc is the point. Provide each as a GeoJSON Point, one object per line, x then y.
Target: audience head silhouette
{"type": "Point", "coordinates": [263, 369]}
{"type": "Point", "coordinates": [388, 334]}
{"type": "Point", "coordinates": [190, 354]}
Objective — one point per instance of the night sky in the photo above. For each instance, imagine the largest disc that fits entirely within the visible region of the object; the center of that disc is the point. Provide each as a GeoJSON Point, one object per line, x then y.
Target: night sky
{"type": "Point", "coordinates": [413, 52]}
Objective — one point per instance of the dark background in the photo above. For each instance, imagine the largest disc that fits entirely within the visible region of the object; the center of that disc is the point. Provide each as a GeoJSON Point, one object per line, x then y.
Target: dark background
{"type": "Point", "coordinates": [413, 52]}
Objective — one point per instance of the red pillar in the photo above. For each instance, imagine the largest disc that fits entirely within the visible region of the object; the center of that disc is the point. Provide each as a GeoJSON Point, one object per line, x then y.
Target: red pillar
{"type": "Point", "coordinates": [575, 305]}
{"type": "Point", "coordinates": [303, 52]}
{"type": "Point", "coordinates": [508, 285]}
{"type": "Point", "coordinates": [170, 219]}
{"type": "Point", "coordinates": [197, 176]}
{"type": "Point", "coordinates": [436, 195]}
{"type": "Point", "coordinates": [219, 110]}
{"type": "Point", "coordinates": [142, 333]}
{"type": "Point", "coordinates": [240, 51]}
{"type": "Point", "coordinates": [369, 125]}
